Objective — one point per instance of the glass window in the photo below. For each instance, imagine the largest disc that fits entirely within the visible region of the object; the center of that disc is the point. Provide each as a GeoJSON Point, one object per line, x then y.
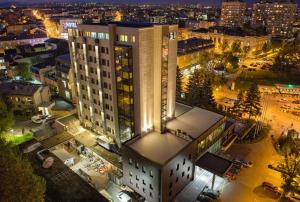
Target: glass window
{"type": "Point", "coordinates": [94, 35]}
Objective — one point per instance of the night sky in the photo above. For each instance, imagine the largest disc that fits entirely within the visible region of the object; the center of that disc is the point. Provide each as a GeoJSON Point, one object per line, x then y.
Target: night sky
{"type": "Point", "coordinates": [205, 2]}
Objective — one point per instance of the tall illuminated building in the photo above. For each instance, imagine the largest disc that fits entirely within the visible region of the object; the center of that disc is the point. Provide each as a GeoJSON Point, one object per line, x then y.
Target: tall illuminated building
{"type": "Point", "coordinates": [233, 13]}
{"type": "Point", "coordinates": [276, 16]}
{"type": "Point", "coordinates": [125, 76]}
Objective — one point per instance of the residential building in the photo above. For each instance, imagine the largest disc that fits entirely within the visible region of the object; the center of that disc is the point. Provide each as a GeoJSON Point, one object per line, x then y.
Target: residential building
{"type": "Point", "coordinates": [65, 78]}
{"type": "Point", "coordinates": [276, 16]}
{"type": "Point", "coordinates": [125, 77]}
{"type": "Point", "coordinates": [233, 13]}
{"type": "Point", "coordinates": [25, 98]}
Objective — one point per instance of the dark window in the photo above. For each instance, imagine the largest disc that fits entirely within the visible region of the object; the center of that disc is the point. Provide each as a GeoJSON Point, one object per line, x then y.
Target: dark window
{"type": "Point", "coordinates": [189, 168]}
{"type": "Point", "coordinates": [182, 174]}
{"type": "Point", "coordinates": [171, 172]}
{"type": "Point", "coordinates": [150, 186]}
{"type": "Point", "coordinates": [183, 161]}
{"type": "Point", "coordinates": [144, 190]}
{"type": "Point", "coordinates": [150, 194]}
{"type": "Point", "coordinates": [143, 169]}
{"type": "Point", "coordinates": [177, 179]}
{"type": "Point", "coordinates": [144, 183]}
{"type": "Point", "coordinates": [137, 165]}
{"type": "Point", "coordinates": [177, 168]}
{"type": "Point", "coordinates": [188, 176]}
{"type": "Point", "coordinates": [130, 161]}
{"type": "Point", "coordinates": [190, 156]}
{"type": "Point", "coordinates": [137, 178]}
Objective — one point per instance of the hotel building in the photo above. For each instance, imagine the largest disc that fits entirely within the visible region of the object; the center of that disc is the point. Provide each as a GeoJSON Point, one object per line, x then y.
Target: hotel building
{"type": "Point", "coordinates": [125, 77]}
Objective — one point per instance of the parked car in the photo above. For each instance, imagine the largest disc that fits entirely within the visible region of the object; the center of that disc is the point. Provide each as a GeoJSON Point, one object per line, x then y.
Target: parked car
{"type": "Point", "coordinates": [283, 100]}
{"type": "Point", "coordinates": [245, 164]}
{"type": "Point", "coordinates": [210, 193]}
{"type": "Point", "coordinates": [296, 102]}
{"type": "Point", "coordinates": [293, 197]}
{"type": "Point", "coordinates": [203, 198]}
{"type": "Point", "coordinates": [269, 186]}
{"type": "Point", "coordinates": [230, 176]}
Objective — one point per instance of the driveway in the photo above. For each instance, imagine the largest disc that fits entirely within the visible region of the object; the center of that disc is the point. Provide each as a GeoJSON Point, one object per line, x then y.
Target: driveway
{"type": "Point", "coordinates": [247, 187]}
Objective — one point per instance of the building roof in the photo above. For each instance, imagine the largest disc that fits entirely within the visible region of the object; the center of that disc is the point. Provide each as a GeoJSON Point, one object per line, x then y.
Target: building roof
{"type": "Point", "coordinates": [159, 148]}
{"type": "Point", "coordinates": [125, 24]}
{"type": "Point", "coordinates": [194, 122]}
{"type": "Point", "coordinates": [181, 108]}
{"type": "Point", "coordinates": [214, 164]}
{"type": "Point", "coordinates": [18, 88]}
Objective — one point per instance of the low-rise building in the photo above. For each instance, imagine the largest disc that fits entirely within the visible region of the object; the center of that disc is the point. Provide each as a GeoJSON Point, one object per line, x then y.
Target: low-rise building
{"type": "Point", "coordinates": [25, 98]}
{"type": "Point", "coordinates": [158, 166]}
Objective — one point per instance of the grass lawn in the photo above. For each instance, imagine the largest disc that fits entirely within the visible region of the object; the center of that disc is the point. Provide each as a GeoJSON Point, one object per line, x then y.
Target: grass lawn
{"type": "Point", "coordinates": [17, 139]}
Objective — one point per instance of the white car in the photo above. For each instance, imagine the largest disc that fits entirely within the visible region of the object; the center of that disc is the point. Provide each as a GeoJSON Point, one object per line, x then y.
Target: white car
{"type": "Point", "coordinates": [37, 119]}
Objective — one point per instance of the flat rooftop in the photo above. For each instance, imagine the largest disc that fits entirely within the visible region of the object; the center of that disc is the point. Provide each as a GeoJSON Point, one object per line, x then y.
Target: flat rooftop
{"type": "Point", "coordinates": [214, 164]}
{"type": "Point", "coordinates": [159, 148]}
{"type": "Point", "coordinates": [194, 121]}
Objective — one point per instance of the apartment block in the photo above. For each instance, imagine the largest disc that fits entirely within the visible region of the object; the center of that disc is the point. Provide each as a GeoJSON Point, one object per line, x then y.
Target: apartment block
{"type": "Point", "coordinates": [233, 13]}
{"type": "Point", "coordinates": [276, 16]}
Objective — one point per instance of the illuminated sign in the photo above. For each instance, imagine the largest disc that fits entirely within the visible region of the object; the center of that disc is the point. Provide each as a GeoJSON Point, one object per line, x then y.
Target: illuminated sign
{"type": "Point", "coordinates": [67, 25]}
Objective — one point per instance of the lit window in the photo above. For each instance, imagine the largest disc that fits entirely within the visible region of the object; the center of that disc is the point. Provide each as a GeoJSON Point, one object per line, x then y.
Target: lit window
{"type": "Point", "coordinates": [88, 34]}
{"type": "Point", "coordinates": [151, 173]}
{"type": "Point", "coordinates": [133, 39]}
{"type": "Point", "coordinates": [94, 35]}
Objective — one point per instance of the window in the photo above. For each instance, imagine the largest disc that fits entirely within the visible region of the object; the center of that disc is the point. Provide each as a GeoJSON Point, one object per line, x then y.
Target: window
{"type": "Point", "coordinates": [133, 39]}
{"type": "Point", "coordinates": [94, 35]}
{"type": "Point", "coordinates": [190, 156]}
{"type": "Point", "coordinates": [176, 179]}
{"type": "Point", "coordinates": [177, 168]}
{"type": "Point", "coordinates": [103, 62]}
{"type": "Point", "coordinates": [137, 185]}
{"type": "Point", "coordinates": [150, 194]}
{"type": "Point", "coordinates": [188, 176]}
{"type": "Point", "coordinates": [189, 168]}
{"type": "Point", "coordinates": [123, 38]}
{"type": "Point", "coordinates": [130, 161]}
{"type": "Point", "coordinates": [183, 161]}
{"type": "Point", "coordinates": [102, 50]}
{"type": "Point", "coordinates": [137, 178]}
{"type": "Point", "coordinates": [170, 193]}
{"type": "Point", "coordinates": [130, 181]}
{"type": "Point", "coordinates": [104, 73]}
{"type": "Point", "coordinates": [144, 183]}
{"type": "Point", "coordinates": [171, 172]}
{"type": "Point", "coordinates": [170, 185]}
{"type": "Point", "coordinates": [101, 35]}
{"type": "Point", "coordinates": [150, 186]}
{"type": "Point", "coordinates": [182, 174]}
{"type": "Point", "coordinates": [144, 190]}
{"type": "Point", "coordinates": [137, 165]}
{"type": "Point", "coordinates": [143, 169]}
{"type": "Point", "coordinates": [151, 173]}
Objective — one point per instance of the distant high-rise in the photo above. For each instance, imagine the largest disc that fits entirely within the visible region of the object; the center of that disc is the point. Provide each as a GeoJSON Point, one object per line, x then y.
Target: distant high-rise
{"type": "Point", "coordinates": [125, 77]}
{"type": "Point", "coordinates": [233, 13]}
{"type": "Point", "coordinates": [276, 16]}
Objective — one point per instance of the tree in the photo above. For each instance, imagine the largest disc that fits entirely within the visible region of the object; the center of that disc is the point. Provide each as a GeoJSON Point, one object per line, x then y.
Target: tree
{"type": "Point", "coordinates": [290, 170]}
{"type": "Point", "coordinates": [24, 71]}
{"type": "Point", "coordinates": [179, 90]}
{"type": "Point", "coordinates": [238, 108]}
{"type": "Point", "coordinates": [200, 90]}
{"type": "Point", "coordinates": [236, 47]}
{"type": "Point", "coordinates": [17, 181]}
{"type": "Point", "coordinates": [224, 45]}
{"type": "Point", "coordinates": [7, 118]}
{"type": "Point", "coordinates": [207, 98]}
{"type": "Point", "coordinates": [232, 60]}
{"type": "Point", "coordinates": [194, 88]}
{"type": "Point", "coordinates": [252, 101]}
